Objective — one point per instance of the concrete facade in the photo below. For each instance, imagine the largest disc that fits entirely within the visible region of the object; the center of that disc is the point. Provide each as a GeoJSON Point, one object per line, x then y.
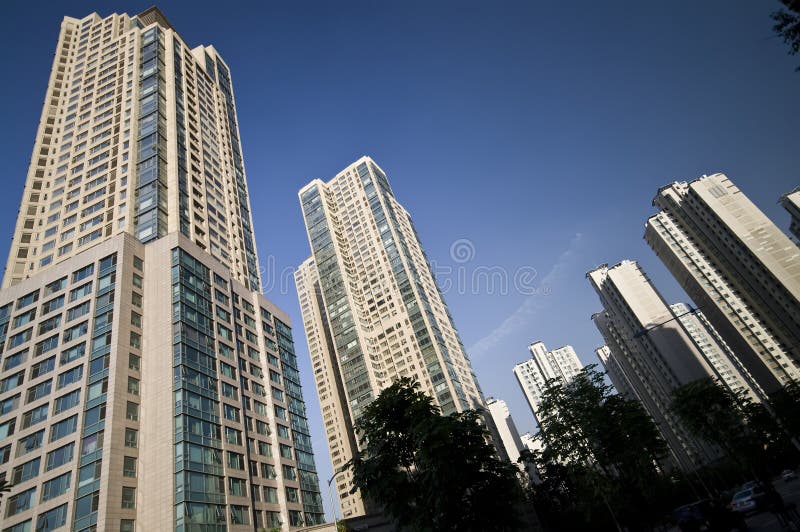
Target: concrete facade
{"type": "Point", "coordinates": [738, 268]}
{"type": "Point", "coordinates": [509, 435]}
{"type": "Point", "coordinates": [145, 383]}
{"type": "Point", "coordinates": [372, 310]}
{"type": "Point", "coordinates": [532, 375]}
{"type": "Point", "coordinates": [652, 349]}
{"type": "Point", "coordinates": [791, 202]}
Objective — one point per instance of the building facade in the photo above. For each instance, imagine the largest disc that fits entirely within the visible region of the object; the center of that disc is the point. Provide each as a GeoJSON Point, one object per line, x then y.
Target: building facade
{"type": "Point", "coordinates": [372, 309]}
{"type": "Point", "coordinates": [509, 435]}
{"type": "Point", "coordinates": [615, 372]}
{"type": "Point", "coordinates": [145, 382]}
{"type": "Point", "coordinates": [532, 375]}
{"type": "Point", "coordinates": [738, 268]}
{"type": "Point", "coordinates": [651, 349]}
{"type": "Point", "coordinates": [791, 202]}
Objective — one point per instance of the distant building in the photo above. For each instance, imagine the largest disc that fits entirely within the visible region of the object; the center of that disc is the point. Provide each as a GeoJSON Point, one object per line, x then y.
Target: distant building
{"type": "Point", "coordinates": [615, 373]}
{"type": "Point", "coordinates": [509, 436]}
{"type": "Point", "coordinates": [791, 202]}
{"type": "Point", "coordinates": [651, 349]}
{"type": "Point", "coordinates": [739, 269]}
{"type": "Point", "coordinates": [562, 364]}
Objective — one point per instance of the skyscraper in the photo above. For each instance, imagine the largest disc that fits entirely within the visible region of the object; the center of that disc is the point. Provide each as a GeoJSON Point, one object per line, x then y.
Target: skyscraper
{"type": "Point", "coordinates": [615, 372]}
{"type": "Point", "coordinates": [533, 374]}
{"type": "Point", "coordinates": [146, 383]}
{"type": "Point", "coordinates": [791, 202]}
{"type": "Point", "coordinates": [372, 309]}
{"type": "Point", "coordinates": [739, 269]}
{"type": "Point", "coordinates": [653, 350]}
{"type": "Point", "coordinates": [509, 435]}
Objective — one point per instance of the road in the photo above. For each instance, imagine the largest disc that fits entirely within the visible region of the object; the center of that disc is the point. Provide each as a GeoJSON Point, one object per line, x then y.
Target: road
{"type": "Point", "coordinates": [767, 522]}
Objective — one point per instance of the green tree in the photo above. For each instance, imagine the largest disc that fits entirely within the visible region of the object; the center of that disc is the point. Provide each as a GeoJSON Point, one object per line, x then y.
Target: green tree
{"type": "Point", "coordinates": [432, 472]}
{"type": "Point", "coordinates": [5, 487]}
{"type": "Point", "coordinates": [787, 25]}
{"type": "Point", "coordinates": [599, 447]}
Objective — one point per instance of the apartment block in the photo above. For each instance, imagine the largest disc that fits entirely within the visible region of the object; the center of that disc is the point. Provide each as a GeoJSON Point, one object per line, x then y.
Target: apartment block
{"type": "Point", "coordinates": [532, 375]}
{"type": "Point", "coordinates": [509, 435]}
{"type": "Point", "coordinates": [791, 202]}
{"type": "Point", "coordinates": [372, 310]}
{"type": "Point", "coordinates": [651, 349]}
{"type": "Point", "coordinates": [740, 270]}
{"type": "Point", "coordinates": [145, 383]}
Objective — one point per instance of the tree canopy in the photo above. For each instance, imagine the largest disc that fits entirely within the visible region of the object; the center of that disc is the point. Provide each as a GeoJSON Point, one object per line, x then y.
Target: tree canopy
{"type": "Point", "coordinates": [432, 472]}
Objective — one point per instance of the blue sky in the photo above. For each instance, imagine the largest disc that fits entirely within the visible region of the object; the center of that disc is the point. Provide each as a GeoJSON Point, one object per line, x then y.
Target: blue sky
{"type": "Point", "coordinates": [537, 131]}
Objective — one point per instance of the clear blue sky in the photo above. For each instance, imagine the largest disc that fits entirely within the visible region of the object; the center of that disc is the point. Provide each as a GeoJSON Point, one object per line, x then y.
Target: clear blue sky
{"type": "Point", "coordinates": [537, 130]}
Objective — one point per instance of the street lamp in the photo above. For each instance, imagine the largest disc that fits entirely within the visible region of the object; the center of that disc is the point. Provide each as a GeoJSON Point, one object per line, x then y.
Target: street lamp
{"type": "Point", "coordinates": [330, 495]}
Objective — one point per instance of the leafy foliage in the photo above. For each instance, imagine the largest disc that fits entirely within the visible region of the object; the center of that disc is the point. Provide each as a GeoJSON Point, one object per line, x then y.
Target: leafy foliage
{"type": "Point", "coordinates": [432, 472]}
{"type": "Point", "coordinates": [601, 451]}
{"type": "Point", "coordinates": [787, 25]}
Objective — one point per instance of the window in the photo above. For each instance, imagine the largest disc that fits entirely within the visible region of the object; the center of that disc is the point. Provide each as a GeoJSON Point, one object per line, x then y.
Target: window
{"type": "Point", "coordinates": [138, 263]}
{"type": "Point", "coordinates": [46, 345]}
{"type": "Point", "coordinates": [133, 386]}
{"type": "Point", "coordinates": [26, 471]}
{"type": "Point", "coordinates": [268, 471]}
{"type": "Point", "coordinates": [264, 449]}
{"type": "Point", "coordinates": [292, 495]}
{"type": "Point", "coordinates": [49, 324]}
{"type": "Point", "coordinates": [20, 338]}
{"type": "Point", "coordinates": [30, 443]}
{"type": "Point", "coordinates": [73, 353]}
{"type": "Point", "coordinates": [34, 416]}
{"type": "Point", "coordinates": [59, 457]}
{"type": "Point", "coordinates": [81, 291]}
{"type": "Point", "coordinates": [9, 404]}
{"type": "Point", "coordinates": [20, 502]}
{"type": "Point", "coordinates": [237, 487]}
{"type": "Point", "coordinates": [231, 413]}
{"type": "Point", "coordinates": [83, 273]}
{"type": "Point", "coordinates": [56, 487]}
{"type": "Point", "coordinates": [70, 376]}
{"type": "Point", "coordinates": [128, 497]}
{"type": "Point", "coordinates": [37, 392]}
{"type": "Point", "coordinates": [89, 445]}
{"type": "Point", "coordinates": [24, 526]}
{"type": "Point", "coordinates": [134, 362]}
{"type": "Point", "coordinates": [27, 299]}
{"type": "Point", "coordinates": [271, 494]}
{"type": "Point", "coordinates": [43, 367]}
{"type": "Point", "coordinates": [11, 382]}
{"type": "Point", "coordinates": [52, 519]}
{"type": "Point", "coordinates": [126, 525]}
{"type": "Point", "coordinates": [286, 451]}
{"type": "Point", "coordinates": [53, 304]}
{"type": "Point", "coordinates": [67, 401]}
{"type": "Point", "coordinates": [135, 340]}
{"type": "Point", "coordinates": [12, 361]}
{"type": "Point", "coordinates": [132, 411]}
{"type": "Point", "coordinates": [55, 286]}
{"type": "Point", "coordinates": [235, 460]}
{"type": "Point", "coordinates": [131, 437]}
{"type": "Point", "coordinates": [289, 473]}
{"type": "Point", "coordinates": [136, 299]}
{"type": "Point", "coordinates": [240, 515]}
{"type": "Point", "coordinates": [136, 319]}
{"type": "Point", "coordinates": [86, 505]}
{"type": "Point", "coordinates": [78, 311]}
{"type": "Point", "coordinates": [129, 466]}
{"type": "Point", "coordinates": [63, 428]}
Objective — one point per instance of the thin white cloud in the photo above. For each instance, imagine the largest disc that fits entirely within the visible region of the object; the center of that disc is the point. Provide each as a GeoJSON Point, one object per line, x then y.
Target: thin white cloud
{"type": "Point", "coordinates": [522, 317]}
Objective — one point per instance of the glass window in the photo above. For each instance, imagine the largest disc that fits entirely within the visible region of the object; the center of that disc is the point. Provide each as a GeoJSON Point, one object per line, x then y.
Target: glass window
{"type": "Point", "coordinates": [52, 519]}
{"type": "Point", "coordinates": [133, 386]}
{"type": "Point", "coordinates": [56, 487]}
{"type": "Point", "coordinates": [30, 443]}
{"type": "Point", "coordinates": [63, 428]}
{"type": "Point", "coordinates": [83, 273]}
{"type": "Point", "coordinates": [60, 456]}
{"type": "Point", "coordinates": [132, 411]}
{"type": "Point", "coordinates": [128, 497]}
{"type": "Point", "coordinates": [131, 438]}
{"type": "Point", "coordinates": [43, 367]}
{"type": "Point", "coordinates": [26, 471]}
{"type": "Point", "coordinates": [134, 362]}
{"type": "Point", "coordinates": [129, 466]}
{"type": "Point", "coordinates": [20, 502]}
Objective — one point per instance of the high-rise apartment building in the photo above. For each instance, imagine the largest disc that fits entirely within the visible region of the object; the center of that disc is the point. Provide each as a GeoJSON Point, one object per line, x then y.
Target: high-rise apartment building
{"type": "Point", "coordinates": [791, 202]}
{"type": "Point", "coordinates": [615, 372]}
{"type": "Point", "coordinates": [562, 364]}
{"type": "Point", "coordinates": [651, 349]}
{"type": "Point", "coordinates": [372, 309]}
{"type": "Point", "coordinates": [509, 435]}
{"type": "Point", "coordinates": [727, 366]}
{"type": "Point", "coordinates": [145, 383]}
{"type": "Point", "coordinates": [740, 269]}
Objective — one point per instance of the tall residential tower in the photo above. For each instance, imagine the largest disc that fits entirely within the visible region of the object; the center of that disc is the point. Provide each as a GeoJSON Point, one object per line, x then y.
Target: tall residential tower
{"type": "Point", "coordinates": [739, 268]}
{"type": "Point", "coordinates": [145, 382]}
{"type": "Point", "coordinates": [562, 364]}
{"type": "Point", "coordinates": [372, 309]}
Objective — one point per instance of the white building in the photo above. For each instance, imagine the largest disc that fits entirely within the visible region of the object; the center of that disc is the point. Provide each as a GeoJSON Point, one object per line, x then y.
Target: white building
{"type": "Point", "coordinates": [651, 349]}
{"type": "Point", "coordinates": [562, 364]}
{"type": "Point", "coordinates": [791, 202]}
{"type": "Point", "coordinates": [740, 269]}
{"type": "Point", "coordinates": [372, 310]}
{"type": "Point", "coordinates": [146, 384]}
{"type": "Point", "coordinates": [509, 436]}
